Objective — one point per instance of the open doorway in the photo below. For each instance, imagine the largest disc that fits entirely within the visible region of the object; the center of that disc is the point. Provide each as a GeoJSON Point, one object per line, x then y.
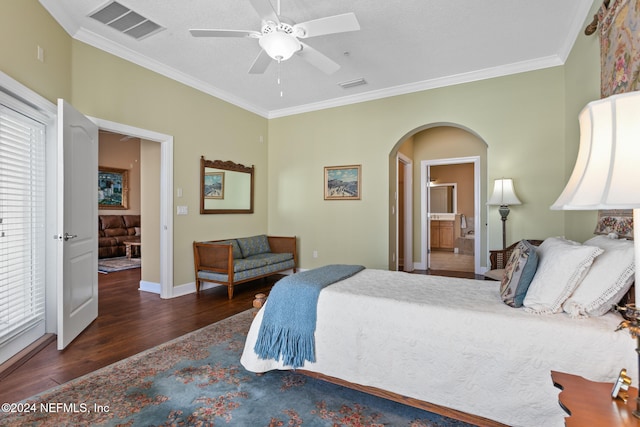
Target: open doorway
{"type": "Point", "coordinates": [450, 194]}
{"type": "Point", "coordinates": [434, 142]}
{"type": "Point", "coordinates": [119, 203]}
{"type": "Point", "coordinates": [156, 155]}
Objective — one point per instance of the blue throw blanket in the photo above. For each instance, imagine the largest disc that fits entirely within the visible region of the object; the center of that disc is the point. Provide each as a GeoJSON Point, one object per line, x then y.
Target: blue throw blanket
{"type": "Point", "coordinates": [289, 321]}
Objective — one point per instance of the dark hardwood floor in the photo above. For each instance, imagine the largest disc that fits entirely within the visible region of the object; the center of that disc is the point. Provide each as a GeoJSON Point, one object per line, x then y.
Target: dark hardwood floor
{"type": "Point", "coordinates": [130, 321]}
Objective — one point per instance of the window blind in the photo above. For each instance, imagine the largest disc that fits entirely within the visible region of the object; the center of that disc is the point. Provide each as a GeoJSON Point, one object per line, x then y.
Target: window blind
{"type": "Point", "coordinates": [22, 222]}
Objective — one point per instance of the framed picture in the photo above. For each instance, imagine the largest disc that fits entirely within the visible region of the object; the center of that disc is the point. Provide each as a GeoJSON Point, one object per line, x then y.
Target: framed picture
{"type": "Point", "coordinates": [342, 182]}
{"type": "Point", "coordinates": [113, 188]}
{"type": "Point", "coordinates": [214, 185]}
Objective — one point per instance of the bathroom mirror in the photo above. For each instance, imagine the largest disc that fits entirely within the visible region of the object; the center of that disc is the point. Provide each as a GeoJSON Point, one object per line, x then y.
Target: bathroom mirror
{"type": "Point", "coordinates": [225, 187]}
{"type": "Point", "coordinates": [443, 198]}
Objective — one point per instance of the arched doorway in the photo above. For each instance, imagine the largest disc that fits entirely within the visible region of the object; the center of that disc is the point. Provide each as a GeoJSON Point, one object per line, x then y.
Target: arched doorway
{"type": "Point", "coordinates": [436, 143]}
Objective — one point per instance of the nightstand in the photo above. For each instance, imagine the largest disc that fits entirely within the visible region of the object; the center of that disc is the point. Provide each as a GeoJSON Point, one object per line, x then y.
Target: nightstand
{"type": "Point", "coordinates": [589, 403]}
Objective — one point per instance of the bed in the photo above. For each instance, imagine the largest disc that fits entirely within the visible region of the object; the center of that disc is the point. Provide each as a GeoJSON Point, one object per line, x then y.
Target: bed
{"type": "Point", "coordinates": [453, 346]}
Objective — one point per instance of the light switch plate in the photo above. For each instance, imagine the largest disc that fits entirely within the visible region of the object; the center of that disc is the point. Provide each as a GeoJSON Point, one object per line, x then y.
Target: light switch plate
{"type": "Point", "coordinates": [183, 210]}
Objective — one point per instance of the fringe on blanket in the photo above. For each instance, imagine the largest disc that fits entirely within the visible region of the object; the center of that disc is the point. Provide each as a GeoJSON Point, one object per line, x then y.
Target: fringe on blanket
{"type": "Point", "coordinates": [294, 347]}
{"type": "Point", "coordinates": [289, 321]}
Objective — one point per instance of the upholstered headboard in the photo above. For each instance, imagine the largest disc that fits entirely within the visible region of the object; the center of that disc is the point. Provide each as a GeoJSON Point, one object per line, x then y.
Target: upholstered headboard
{"type": "Point", "coordinates": [617, 221]}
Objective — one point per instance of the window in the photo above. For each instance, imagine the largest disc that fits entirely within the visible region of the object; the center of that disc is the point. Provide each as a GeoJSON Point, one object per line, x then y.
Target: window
{"type": "Point", "coordinates": [22, 220]}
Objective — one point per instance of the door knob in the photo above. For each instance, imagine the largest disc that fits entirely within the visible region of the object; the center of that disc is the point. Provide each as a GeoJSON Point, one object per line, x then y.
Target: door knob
{"type": "Point", "coordinates": [68, 236]}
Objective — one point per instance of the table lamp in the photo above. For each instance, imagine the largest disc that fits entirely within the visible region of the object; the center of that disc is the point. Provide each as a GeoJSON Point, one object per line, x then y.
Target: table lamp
{"type": "Point", "coordinates": [503, 196]}
{"type": "Point", "coordinates": [607, 174]}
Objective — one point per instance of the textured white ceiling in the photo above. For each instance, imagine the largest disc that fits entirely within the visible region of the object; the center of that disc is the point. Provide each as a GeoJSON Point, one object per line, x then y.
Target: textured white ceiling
{"type": "Point", "coordinates": [402, 47]}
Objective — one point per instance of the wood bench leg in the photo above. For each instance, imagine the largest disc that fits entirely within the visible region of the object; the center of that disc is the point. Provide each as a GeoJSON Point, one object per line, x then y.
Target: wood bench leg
{"type": "Point", "coordinates": [230, 290]}
{"type": "Point", "coordinates": [197, 286]}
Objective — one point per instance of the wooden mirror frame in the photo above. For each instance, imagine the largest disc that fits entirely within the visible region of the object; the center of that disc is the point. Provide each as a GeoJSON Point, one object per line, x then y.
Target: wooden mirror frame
{"type": "Point", "coordinates": [228, 166]}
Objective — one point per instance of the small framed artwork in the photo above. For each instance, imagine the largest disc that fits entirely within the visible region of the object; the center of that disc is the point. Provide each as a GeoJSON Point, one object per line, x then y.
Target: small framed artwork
{"type": "Point", "coordinates": [342, 182]}
{"type": "Point", "coordinates": [113, 188]}
{"type": "Point", "coordinates": [214, 185]}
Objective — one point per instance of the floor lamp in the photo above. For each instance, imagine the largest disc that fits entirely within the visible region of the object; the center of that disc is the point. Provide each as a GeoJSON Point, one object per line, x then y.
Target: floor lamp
{"type": "Point", "coordinates": [607, 174]}
{"type": "Point", "coordinates": [504, 195]}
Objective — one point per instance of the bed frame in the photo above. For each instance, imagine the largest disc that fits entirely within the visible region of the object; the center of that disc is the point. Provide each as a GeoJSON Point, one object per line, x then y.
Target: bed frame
{"type": "Point", "coordinates": [413, 402]}
{"type": "Point", "coordinates": [409, 401]}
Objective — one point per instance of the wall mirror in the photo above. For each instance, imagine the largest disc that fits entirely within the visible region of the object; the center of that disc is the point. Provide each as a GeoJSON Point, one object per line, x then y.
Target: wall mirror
{"type": "Point", "coordinates": [225, 187]}
{"type": "Point", "coordinates": [443, 198]}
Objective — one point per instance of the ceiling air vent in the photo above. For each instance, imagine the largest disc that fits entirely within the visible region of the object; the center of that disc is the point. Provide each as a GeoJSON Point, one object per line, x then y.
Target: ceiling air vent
{"type": "Point", "coordinates": [125, 20]}
{"type": "Point", "coordinates": [353, 83]}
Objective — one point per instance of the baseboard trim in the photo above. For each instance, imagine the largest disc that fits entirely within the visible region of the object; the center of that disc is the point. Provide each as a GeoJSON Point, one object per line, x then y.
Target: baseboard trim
{"type": "Point", "coordinates": [25, 354]}
{"type": "Point", "coordinates": [150, 287]}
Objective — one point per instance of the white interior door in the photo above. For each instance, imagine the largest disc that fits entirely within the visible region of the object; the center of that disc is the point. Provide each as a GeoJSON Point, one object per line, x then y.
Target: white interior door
{"type": "Point", "coordinates": [77, 223]}
{"type": "Point", "coordinates": [426, 237]}
{"type": "Point", "coordinates": [408, 212]}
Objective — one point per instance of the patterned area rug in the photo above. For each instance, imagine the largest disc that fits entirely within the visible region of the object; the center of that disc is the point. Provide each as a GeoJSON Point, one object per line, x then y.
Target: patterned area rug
{"type": "Point", "coordinates": [109, 265]}
{"type": "Point", "coordinates": [197, 380]}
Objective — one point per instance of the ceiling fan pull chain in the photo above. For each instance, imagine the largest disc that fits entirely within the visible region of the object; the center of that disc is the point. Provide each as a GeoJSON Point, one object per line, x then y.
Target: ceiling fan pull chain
{"type": "Point", "coordinates": [279, 68]}
{"type": "Point", "coordinates": [279, 78]}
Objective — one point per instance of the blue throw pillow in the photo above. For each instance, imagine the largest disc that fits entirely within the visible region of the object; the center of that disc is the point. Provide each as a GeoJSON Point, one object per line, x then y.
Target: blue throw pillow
{"type": "Point", "coordinates": [254, 245]}
{"type": "Point", "coordinates": [237, 253]}
{"type": "Point", "coordinates": [519, 273]}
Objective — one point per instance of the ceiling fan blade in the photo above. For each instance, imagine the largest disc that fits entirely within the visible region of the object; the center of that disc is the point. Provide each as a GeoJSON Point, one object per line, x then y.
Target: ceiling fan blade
{"type": "Point", "coordinates": [329, 25]}
{"type": "Point", "coordinates": [265, 10]}
{"type": "Point", "coordinates": [318, 60]}
{"type": "Point", "coordinates": [260, 64]}
{"type": "Point", "coordinates": [224, 33]}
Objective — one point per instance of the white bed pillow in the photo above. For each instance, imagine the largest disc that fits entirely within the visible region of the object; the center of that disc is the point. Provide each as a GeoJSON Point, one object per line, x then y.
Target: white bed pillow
{"type": "Point", "coordinates": [562, 265]}
{"type": "Point", "coordinates": [606, 282]}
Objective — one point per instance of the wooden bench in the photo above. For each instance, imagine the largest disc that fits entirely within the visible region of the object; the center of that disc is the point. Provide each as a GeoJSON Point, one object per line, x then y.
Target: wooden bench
{"type": "Point", "coordinates": [233, 261]}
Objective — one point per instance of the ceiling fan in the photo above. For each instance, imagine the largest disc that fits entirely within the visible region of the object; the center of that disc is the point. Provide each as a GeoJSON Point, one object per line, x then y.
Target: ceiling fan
{"type": "Point", "coordinates": [279, 36]}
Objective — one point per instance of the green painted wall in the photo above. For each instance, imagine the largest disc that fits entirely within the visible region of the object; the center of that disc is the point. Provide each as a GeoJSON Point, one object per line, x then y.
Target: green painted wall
{"type": "Point", "coordinates": [25, 25]}
{"type": "Point", "coordinates": [520, 117]}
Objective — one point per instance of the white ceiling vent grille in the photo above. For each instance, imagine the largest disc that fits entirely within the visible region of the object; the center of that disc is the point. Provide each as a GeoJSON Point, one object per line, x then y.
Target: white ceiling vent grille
{"type": "Point", "coordinates": [352, 83]}
{"type": "Point", "coordinates": [125, 20]}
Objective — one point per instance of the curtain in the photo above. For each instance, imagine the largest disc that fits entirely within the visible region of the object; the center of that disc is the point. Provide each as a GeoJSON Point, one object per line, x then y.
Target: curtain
{"type": "Point", "coordinates": [619, 31]}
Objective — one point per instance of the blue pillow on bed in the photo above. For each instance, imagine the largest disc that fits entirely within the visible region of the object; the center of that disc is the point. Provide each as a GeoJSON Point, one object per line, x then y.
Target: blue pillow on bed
{"type": "Point", "coordinates": [519, 273]}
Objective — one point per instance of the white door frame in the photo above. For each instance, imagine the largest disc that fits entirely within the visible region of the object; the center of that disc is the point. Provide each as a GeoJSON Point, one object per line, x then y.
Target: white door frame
{"type": "Point", "coordinates": [424, 220]}
{"type": "Point", "coordinates": [166, 195]}
{"type": "Point", "coordinates": [408, 213]}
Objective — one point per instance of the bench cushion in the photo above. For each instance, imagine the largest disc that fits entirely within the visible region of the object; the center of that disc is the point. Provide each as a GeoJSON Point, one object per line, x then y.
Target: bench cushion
{"type": "Point", "coordinates": [260, 260]}
{"type": "Point", "coordinates": [248, 274]}
{"type": "Point", "coordinates": [237, 253]}
{"type": "Point", "coordinates": [254, 245]}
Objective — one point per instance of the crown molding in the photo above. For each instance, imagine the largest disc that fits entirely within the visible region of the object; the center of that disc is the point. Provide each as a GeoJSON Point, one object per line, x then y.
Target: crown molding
{"type": "Point", "coordinates": [106, 45]}
{"type": "Point", "coordinates": [505, 70]}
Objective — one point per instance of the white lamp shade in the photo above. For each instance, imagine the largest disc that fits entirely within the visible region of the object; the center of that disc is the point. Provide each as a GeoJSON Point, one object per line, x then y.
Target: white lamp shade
{"type": "Point", "coordinates": [279, 46]}
{"type": "Point", "coordinates": [607, 171]}
{"type": "Point", "coordinates": [503, 193]}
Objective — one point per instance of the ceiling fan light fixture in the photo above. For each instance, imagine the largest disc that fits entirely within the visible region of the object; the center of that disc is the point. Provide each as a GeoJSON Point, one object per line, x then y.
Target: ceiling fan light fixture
{"type": "Point", "coordinates": [279, 45]}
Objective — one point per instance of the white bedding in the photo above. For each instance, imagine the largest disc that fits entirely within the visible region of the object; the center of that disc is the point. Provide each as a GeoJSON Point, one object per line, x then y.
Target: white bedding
{"type": "Point", "coordinates": [453, 342]}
